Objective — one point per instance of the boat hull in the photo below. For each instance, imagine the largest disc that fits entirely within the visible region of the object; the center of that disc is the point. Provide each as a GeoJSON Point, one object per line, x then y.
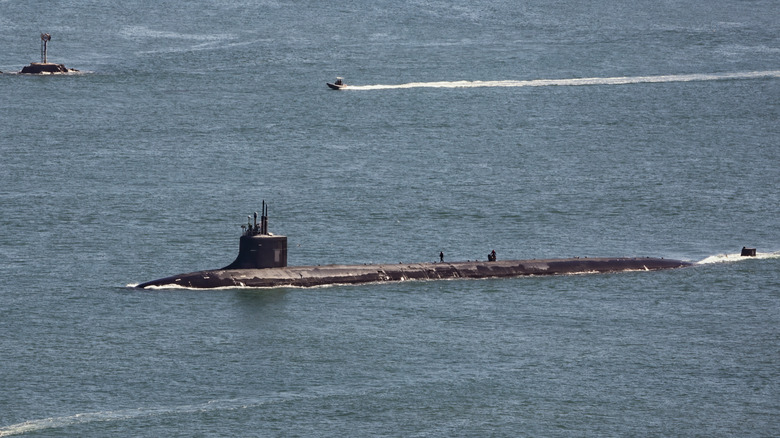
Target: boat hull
{"type": "Point", "coordinates": [310, 276]}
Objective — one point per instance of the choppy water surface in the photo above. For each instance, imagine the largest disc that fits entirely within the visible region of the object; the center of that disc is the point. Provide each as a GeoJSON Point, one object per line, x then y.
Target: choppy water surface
{"type": "Point", "coordinates": [538, 130]}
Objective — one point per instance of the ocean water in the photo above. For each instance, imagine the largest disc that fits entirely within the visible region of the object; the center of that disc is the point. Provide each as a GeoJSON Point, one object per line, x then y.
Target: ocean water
{"type": "Point", "coordinates": [541, 129]}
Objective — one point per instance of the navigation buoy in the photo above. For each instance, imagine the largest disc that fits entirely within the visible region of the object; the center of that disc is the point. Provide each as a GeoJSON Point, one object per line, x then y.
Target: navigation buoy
{"type": "Point", "coordinates": [46, 67]}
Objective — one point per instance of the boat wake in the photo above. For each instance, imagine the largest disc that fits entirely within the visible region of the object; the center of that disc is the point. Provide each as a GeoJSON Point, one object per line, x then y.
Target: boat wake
{"type": "Point", "coordinates": [623, 80]}
{"type": "Point", "coordinates": [736, 257]}
{"type": "Point", "coordinates": [130, 414]}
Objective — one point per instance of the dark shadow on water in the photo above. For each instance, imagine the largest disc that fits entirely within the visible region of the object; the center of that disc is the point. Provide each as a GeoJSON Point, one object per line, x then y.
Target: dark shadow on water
{"type": "Point", "coordinates": [261, 297]}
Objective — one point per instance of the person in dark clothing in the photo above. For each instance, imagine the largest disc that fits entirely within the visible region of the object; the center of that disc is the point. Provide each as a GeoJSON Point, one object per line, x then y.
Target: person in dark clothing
{"type": "Point", "coordinates": [441, 256]}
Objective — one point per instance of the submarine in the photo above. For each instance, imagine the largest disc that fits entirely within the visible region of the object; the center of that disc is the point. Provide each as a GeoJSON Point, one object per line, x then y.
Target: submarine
{"type": "Point", "coordinates": [262, 263]}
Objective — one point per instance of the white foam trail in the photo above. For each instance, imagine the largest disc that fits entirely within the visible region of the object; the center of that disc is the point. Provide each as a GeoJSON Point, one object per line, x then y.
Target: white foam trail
{"type": "Point", "coordinates": [623, 80]}
{"type": "Point", "coordinates": [87, 417]}
{"type": "Point", "coordinates": [730, 258]}
{"type": "Point", "coordinates": [128, 414]}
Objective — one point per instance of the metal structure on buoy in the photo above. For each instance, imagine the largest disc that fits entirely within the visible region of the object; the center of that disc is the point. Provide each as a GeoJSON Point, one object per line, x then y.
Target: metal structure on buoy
{"type": "Point", "coordinates": [45, 38]}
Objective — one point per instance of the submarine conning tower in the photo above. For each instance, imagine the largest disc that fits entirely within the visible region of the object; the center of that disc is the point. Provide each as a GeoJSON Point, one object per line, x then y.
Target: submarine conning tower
{"type": "Point", "coordinates": [258, 248]}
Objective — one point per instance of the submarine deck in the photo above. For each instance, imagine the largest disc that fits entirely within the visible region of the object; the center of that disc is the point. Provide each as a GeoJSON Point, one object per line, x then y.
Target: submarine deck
{"type": "Point", "coordinates": [309, 276]}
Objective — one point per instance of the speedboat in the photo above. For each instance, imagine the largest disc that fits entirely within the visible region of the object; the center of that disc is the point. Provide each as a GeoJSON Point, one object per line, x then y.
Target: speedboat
{"type": "Point", "coordinates": [338, 85]}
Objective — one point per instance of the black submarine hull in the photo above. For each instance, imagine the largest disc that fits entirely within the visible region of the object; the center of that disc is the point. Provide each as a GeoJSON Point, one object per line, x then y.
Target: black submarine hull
{"type": "Point", "coordinates": [310, 276]}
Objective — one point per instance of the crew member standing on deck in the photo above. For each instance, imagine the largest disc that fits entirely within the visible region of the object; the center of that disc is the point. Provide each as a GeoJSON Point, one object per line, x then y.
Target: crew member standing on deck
{"type": "Point", "coordinates": [441, 256]}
